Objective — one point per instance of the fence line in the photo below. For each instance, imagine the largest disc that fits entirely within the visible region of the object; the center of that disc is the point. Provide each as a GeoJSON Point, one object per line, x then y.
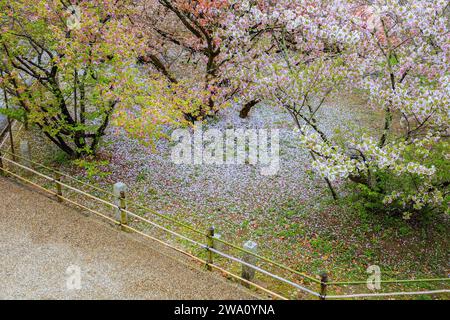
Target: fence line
{"type": "Point", "coordinates": [321, 295]}
{"type": "Point", "coordinates": [53, 170]}
{"type": "Point", "coordinates": [344, 283]}
{"type": "Point", "coordinates": [111, 194]}
{"type": "Point", "coordinates": [269, 261]}
{"type": "Point", "coordinates": [387, 294]}
{"type": "Point", "coordinates": [5, 138]}
{"type": "Point", "coordinates": [200, 245]}
{"type": "Point", "coordinates": [265, 272]}
{"type": "Point", "coordinates": [55, 194]}
{"type": "Point", "coordinates": [265, 259]}
{"type": "Point", "coordinates": [184, 225]}
{"type": "Point", "coordinates": [204, 262]}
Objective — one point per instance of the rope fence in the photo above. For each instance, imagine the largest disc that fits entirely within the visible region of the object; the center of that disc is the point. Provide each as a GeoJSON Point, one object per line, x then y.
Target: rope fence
{"type": "Point", "coordinates": [127, 216]}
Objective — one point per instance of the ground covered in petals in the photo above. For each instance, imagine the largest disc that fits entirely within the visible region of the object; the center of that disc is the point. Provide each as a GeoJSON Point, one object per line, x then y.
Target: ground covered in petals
{"type": "Point", "coordinates": [290, 215]}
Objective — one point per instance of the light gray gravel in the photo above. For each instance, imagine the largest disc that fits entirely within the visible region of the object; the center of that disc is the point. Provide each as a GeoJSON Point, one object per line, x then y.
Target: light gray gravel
{"type": "Point", "coordinates": [40, 239]}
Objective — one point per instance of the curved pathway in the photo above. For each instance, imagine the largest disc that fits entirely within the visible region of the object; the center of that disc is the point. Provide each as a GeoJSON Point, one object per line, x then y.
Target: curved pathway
{"type": "Point", "coordinates": [44, 245]}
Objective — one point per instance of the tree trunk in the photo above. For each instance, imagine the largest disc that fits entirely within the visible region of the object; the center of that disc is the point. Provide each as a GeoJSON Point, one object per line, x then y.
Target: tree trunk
{"type": "Point", "coordinates": [247, 107]}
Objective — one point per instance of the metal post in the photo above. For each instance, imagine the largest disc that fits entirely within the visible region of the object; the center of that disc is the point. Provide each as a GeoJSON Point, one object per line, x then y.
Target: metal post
{"type": "Point", "coordinates": [323, 285]}
{"type": "Point", "coordinates": [210, 244]}
{"type": "Point", "coordinates": [58, 187]}
{"type": "Point", "coordinates": [123, 214]}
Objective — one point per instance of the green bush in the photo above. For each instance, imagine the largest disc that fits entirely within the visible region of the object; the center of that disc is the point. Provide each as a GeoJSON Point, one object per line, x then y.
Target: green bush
{"type": "Point", "coordinates": [372, 198]}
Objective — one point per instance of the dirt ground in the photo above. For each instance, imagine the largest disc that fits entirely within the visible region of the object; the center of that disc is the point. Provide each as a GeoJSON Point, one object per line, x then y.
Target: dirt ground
{"type": "Point", "coordinates": [45, 245]}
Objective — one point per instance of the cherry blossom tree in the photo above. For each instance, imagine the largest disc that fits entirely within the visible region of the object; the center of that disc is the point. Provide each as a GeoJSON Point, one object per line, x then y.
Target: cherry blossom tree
{"type": "Point", "coordinates": [186, 43]}
{"type": "Point", "coordinates": [293, 63]}
{"type": "Point", "coordinates": [72, 80]}
{"type": "Point", "coordinates": [68, 68]}
{"type": "Point", "coordinates": [394, 52]}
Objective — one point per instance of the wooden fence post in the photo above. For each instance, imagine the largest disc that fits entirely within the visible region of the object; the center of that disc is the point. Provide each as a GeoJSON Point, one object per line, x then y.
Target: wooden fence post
{"type": "Point", "coordinates": [58, 187]}
{"type": "Point", "coordinates": [210, 244]}
{"type": "Point", "coordinates": [323, 285]}
{"type": "Point", "coordinates": [1, 164]}
{"type": "Point", "coordinates": [25, 122]}
{"type": "Point", "coordinates": [11, 140]}
{"type": "Point", "coordinates": [123, 214]}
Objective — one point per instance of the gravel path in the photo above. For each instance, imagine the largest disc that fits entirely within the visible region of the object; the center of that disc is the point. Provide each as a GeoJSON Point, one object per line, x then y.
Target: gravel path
{"type": "Point", "coordinates": [40, 239]}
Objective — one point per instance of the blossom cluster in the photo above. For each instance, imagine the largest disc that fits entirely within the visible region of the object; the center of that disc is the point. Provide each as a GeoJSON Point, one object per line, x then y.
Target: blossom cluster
{"type": "Point", "coordinates": [394, 53]}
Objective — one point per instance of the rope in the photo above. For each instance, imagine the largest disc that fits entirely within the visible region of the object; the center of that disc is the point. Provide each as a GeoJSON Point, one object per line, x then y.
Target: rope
{"type": "Point", "coordinates": [61, 173]}
{"type": "Point", "coordinates": [268, 260]}
{"type": "Point", "coordinates": [110, 194]}
{"type": "Point", "coordinates": [341, 283]}
{"type": "Point", "coordinates": [61, 197]}
{"type": "Point", "coordinates": [146, 235]}
{"type": "Point", "coordinates": [5, 139]}
{"type": "Point", "coordinates": [200, 245]}
{"type": "Point", "coordinates": [204, 262]}
{"type": "Point", "coordinates": [175, 221]}
{"type": "Point", "coordinates": [168, 218]}
{"type": "Point", "coordinates": [165, 229]}
{"type": "Point", "coordinates": [265, 272]}
{"type": "Point", "coordinates": [223, 254]}
{"type": "Point", "coordinates": [387, 294]}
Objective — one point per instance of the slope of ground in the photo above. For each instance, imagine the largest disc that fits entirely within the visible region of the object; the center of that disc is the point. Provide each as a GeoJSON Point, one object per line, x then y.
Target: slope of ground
{"type": "Point", "coordinates": [290, 215]}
